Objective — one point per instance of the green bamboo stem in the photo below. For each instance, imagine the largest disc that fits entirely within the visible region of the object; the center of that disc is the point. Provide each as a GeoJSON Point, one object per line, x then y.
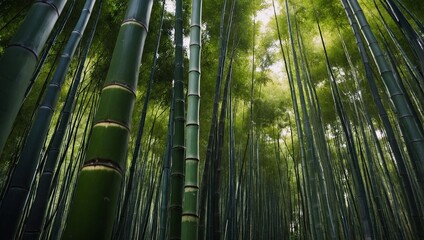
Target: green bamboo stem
{"type": "Point", "coordinates": [17, 193]}
{"type": "Point", "coordinates": [218, 156]}
{"type": "Point", "coordinates": [138, 150]}
{"type": "Point", "coordinates": [178, 147]}
{"type": "Point", "coordinates": [67, 170]}
{"type": "Point", "coordinates": [305, 172]}
{"type": "Point", "coordinates": [310, 152]}
{"type": "Point", "coordinates": [205, 184]}
{"type": "Point", "coordinates": [232, 218]}
{"type": "Point", "coordinates": [409, 123]}
{"type": "Point", "coordinates": [249, 178]}
{"type": "Point", "coordinates": [219, 143]}
{"type": "Point", "coordinates": [49, 44]}
{"type": "Point", "coordinates": [93, 209]}
{"type": "Point", "coordinates": [165, 175]}
{"type": "Point", "coordinates": [34, 224]}
{"type": "Point", "coordinates": [400, 161]}
{"type": "Point", "coordinates": [319, 144]}
{"type": "Point", "coordinates": [363, 205]}
{"type": "Point", "coordinates": [190, 216]}
{"type": "Point", "coordinates": [415, 40]}
{"type": "Point", "coordinates": [19, 60]}
{"type": "Point", "coordinates": [416, 86]}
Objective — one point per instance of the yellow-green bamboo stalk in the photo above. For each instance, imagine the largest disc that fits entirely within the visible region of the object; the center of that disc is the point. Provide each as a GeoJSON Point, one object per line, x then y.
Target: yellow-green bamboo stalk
{"type": "Point", "coordinates": [93, 209]}
{"type": "Point", "coordinates": [190, 216]}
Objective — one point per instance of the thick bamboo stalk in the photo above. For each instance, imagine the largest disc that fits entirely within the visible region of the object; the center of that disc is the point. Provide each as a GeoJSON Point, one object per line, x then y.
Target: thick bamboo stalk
{"type": "Point", "coordinates": [400, 161]}
{"type": "Point", "coordinates": [94, 205]}
{"type": "Point", "coordinates": [19, 60]}
{"type": "Point", "coordinates": [138, 150]}
{"type": "Point", "coordinates": [409, 123]}
{"type": "Point", "coordinates": [17, 193]}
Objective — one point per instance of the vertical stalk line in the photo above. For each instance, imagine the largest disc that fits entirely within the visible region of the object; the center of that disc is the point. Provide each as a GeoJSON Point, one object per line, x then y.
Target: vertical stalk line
{"type": "Point", "coordinates": [178, 146]}
{"type": "Point", "coordinates": [166, 172]}
{"type": "Point", "coordinates": [324, 167]}
{"type": "Point", "coordinates": [249, 178]}
{"type": "Point", "coordinates": [36, 218]}
{"type": "Point", "coordinates": [142, 208]}
{"type": "Point", "coordinates": [298, 123]}
{"type": "Point", "coordinates": [19, 60]}
{"type": "Point", "coordinates": [232, 206]}
{"type": "Point", "coordinates": [363, 205]}
{"type": "Point", "coordinates": [399, 159]}
{"type": "Point", "coordinates": [414, 39]}
{"type": "Point", "coordinates": [310, 152]}
{"type": "Point", "coordinates": [190, 217]}
{"type": "Point", "coordinates": [222, 48]}
{"type": "Point", "coordinates": [49, 44]}
{"type": "Point", "coordinates": [138, 148]}
{"type": "Point", "coordinates": [218, 156]}
{"type": "Point", "coordinates": [316, 165]}
{"type": "Point", "coordinates": [416, 92]}
{"type": "Point", "coordinates": [25, 132]}
{"type": "Point", "coordinates": [58, 207]}
{"type": "Point", "coordinates": [409, 123]}
{"type": "Point", "coordinates": [413, 16]}
{"type": "Point", "coordinates": [94, 205]}
{"type": "Point", "coordinates": [216, 189]}
{"type": "Point", "coordinates": [16, 195]}
{"type": "Point", "coordinates": [380, 177]}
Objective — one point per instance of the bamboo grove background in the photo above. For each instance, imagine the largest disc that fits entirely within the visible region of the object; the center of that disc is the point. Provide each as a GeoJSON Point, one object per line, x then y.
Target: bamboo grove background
{"type": "Point", "coordinates": [230, 119]}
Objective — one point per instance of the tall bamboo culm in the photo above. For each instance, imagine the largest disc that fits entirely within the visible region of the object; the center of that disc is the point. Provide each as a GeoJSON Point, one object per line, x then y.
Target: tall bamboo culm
{"type": "Point", "coordinates": [18, 190]}
{"type": "Point", "coordinates": [19, 60]}
{"type": "Point", "coordinates": [190, 217]}
{"type": "Point", "coordinates": [94, 205]}
{"type": "Point", "coordinates": [37, 215]}
{"type": "Point", "coordinates": [178, 148]}
{"type": "Point", "coordinates": [409, 123]}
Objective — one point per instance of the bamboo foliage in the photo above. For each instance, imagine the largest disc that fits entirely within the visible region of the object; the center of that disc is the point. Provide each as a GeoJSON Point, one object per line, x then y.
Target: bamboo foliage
{"type": "Point", "coordinates": [100, 177]}
{"type": "Point", "coordinates": [313, 148]}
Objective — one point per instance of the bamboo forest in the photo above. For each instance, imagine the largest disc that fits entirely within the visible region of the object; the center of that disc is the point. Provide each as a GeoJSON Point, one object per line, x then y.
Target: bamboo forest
{"type": "Point", "coordinates": [226, 119]}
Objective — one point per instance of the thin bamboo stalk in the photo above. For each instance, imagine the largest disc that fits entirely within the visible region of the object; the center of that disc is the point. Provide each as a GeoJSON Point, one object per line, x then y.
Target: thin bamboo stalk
{"type": "Point", "coordinates": [190, 217]}
{"type": "Point", "coordinates": [17, 193]}
{"type": "Point", "coordinates": [178, 146]}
